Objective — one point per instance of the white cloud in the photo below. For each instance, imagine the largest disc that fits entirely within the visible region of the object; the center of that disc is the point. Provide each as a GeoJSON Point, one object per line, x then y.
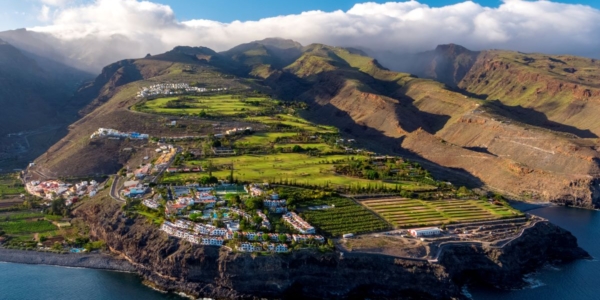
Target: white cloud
{"type": "Point", "coordinates": [56, 2]}
{"type": "Point", "coordinates": [116, 29]}
{"type": "Point", "coordinates": [44, 13]}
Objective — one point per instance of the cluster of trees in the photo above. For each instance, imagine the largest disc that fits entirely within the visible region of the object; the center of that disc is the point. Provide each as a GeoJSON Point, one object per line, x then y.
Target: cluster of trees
{"type": "Point", "coordinates": [58, 207]}
{"type": "Point", "coordinates": [181, 102]}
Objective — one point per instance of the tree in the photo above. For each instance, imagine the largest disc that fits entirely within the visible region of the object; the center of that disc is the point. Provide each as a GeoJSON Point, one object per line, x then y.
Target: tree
{"type": "Point", "coordinates": [58, 207]}
{"type": "Point", "coordinates": [216, 143]}
{"type": "Point", "coordinates": [463, 191]}
{"type": "Point", "coordinates": [236, 235]}
{"type": "Point", "coordinates": [257, 219]}
{"type": "Point", "coordinates": [265, 237]}
{"type": "Point", "coordinates": [208, 179]}
{"type": "Point", "coordinates": [57, 246]}
{"type": "Point", "coordinates": [282, 238]}
{"type": "Point", "coordinates": [297, 148]}
{"type": "Point", "coordinates": [253, 203]}
{"type": "Point", "coordinates": [372, 175]}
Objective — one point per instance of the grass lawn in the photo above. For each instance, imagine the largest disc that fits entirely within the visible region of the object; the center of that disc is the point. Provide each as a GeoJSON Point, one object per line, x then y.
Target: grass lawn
{"type": "Point", "coordinates": [322, 147]}
{"type": "Point", "coordinates": [293, 121]}
{"type": "Point", "coordinates": [218, 105]}
{"type": "Point", "coordinates": [346, 217]}
{"type": "Point", "coordinates": [302, 168]}
{"type": "Point", "coordinates": [262, 138]}
{"type": "Point", "coordinates": [153, 217]}
{"type": "Point", "coordinates": [412, 212]}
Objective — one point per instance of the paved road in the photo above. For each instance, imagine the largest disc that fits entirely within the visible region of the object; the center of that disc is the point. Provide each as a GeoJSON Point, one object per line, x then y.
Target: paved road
{"type": "Point", "coordinates": [114, 189]}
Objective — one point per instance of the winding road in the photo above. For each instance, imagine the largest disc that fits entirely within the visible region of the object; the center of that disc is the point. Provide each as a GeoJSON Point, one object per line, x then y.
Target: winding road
{"type": "Point", "coordinates": [114, 190]}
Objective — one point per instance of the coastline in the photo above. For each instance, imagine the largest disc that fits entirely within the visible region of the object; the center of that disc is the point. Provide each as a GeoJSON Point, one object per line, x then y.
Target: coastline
{"type": "Point", "coordinates": [87, 261]}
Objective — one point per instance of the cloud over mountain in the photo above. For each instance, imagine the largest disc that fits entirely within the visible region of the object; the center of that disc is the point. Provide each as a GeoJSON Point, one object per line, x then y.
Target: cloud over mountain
{"type": "Point", "coordinates": [106, 30]}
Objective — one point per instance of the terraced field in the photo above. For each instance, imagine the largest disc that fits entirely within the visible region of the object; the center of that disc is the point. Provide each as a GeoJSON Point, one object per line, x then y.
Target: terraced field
{"type": "Point", "coordinates": [403, 212]}
{"type": "Point", "coordinates": [346, 217]}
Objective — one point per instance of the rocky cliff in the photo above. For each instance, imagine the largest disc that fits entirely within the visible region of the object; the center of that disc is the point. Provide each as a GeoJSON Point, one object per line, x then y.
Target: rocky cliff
{"type": "Point", "coordinates": [175, 265]}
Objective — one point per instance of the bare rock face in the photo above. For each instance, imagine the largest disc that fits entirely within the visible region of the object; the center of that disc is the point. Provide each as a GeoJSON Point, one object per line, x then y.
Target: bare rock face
{"type": "Point", "coordinates": [174, 265]}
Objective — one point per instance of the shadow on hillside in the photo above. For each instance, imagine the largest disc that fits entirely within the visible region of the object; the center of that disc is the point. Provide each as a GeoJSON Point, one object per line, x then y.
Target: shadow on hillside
{"type": "Point", "coordinates": [532, 117]}
{"type": "Point", "coordinates": [480, 150]}
{"type": "Point", "coordinates": [525, 115]}
{"type": "Point", "coordinates": [378, 142]}
{"type": "Point", "coordinates": [327, 85]}
{"type": "Point", "coordinates": [318, 89]}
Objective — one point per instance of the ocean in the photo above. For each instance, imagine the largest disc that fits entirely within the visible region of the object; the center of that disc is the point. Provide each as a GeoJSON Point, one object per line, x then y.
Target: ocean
{"type": "Point", "coordinates": [26, 282]}
{"type": "Point", "coordinates": [575, 281]}
{"type": "Point", "coordinates": [578, 280]}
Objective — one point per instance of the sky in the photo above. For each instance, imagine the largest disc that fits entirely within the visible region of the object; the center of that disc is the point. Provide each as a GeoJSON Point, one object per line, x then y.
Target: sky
{"type": "Point", "coordinates": [25, 13]}
{"type": "Point", "coordinates": [118, 29]}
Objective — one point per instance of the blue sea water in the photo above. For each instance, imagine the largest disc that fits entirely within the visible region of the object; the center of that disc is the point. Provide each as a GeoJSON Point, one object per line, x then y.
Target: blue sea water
{"type": "Point", "coordinates": [25, 282]}
{"type": "Point", "coordinates": [578, 280]}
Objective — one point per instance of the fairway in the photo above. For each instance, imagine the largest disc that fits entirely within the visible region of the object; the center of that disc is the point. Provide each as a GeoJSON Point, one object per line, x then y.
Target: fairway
{"type": "Point", "coordinates": [218, 105]}
{"type": "Point", "coordinates": [402, 212]}
{"type": "Point", "coordinates": [295, 122]}
{"type": "Point", "coordinates": [301, 168]}
{"type": "Point", "coordinates": [262, 138]}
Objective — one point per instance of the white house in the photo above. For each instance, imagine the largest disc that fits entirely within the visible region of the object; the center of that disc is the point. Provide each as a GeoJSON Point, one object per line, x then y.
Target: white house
{"type": "Point", "coordinates": [429, 231]}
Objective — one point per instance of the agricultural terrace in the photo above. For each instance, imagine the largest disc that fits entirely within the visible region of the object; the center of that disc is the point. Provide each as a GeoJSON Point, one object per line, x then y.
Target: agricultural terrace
{"type": "Point", "coordinates": [209, 106]}
{"type": "Point", "coordinates": [21, 227]}
{"type": "Point", "coordinates": [402, 212]}
{"type": "Point", "coordinates": [337, 216]}
{"type": "Point", "coordinates": [292, 122]}
{"type": "Point", "coordinates": [291, 168]}
{"type": "Point", "coordinates": [10, 185]}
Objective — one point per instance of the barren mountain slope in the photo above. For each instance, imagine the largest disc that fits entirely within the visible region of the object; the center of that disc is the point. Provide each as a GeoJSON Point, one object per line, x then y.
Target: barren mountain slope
{"type": "Point", "coordinates": [115, 90]}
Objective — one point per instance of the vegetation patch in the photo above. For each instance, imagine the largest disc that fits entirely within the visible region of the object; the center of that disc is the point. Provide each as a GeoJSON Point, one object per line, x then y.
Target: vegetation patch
{"type": "Point", "coordinates": [403, 212]}
{"type": "Point", "coordinates": [337, 216]}
{"type": "Point", "coordinates": [209, 106]}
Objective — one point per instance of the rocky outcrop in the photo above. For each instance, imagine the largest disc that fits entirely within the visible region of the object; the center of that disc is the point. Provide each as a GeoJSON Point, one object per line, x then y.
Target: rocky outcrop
{"type": "Point", "coordinates": [174, 265]}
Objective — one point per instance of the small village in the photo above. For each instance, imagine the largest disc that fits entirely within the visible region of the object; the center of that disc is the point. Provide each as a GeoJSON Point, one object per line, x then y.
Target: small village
{"type": "Point", "coordinates": [54, 189]}
{"type": "Point", "coordinates": [173, 89]}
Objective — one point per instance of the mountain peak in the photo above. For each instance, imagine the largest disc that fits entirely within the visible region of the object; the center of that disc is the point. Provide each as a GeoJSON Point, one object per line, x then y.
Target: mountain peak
{"type": "Point", "coordinates": [279, 43]}
{"type": "Point", "coordinates": [193, 50]}
{"type": "Point", "coordinates": [451, 49]}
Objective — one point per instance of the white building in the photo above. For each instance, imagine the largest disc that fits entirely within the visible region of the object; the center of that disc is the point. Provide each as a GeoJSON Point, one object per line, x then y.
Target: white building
{"type": "Point", "coordinates": [429, 231]}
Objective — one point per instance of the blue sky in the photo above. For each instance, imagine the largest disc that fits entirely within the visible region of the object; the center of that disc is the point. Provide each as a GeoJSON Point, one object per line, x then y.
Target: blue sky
{"type": "Point", "coordinates": [25, 13]}
{"type": "Point", "coordinates": [230, 10]}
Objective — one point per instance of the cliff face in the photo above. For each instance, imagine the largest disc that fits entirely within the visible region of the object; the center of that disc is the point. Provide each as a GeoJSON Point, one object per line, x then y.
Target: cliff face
{"type": "Point", "coordinates": [212, 272]}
